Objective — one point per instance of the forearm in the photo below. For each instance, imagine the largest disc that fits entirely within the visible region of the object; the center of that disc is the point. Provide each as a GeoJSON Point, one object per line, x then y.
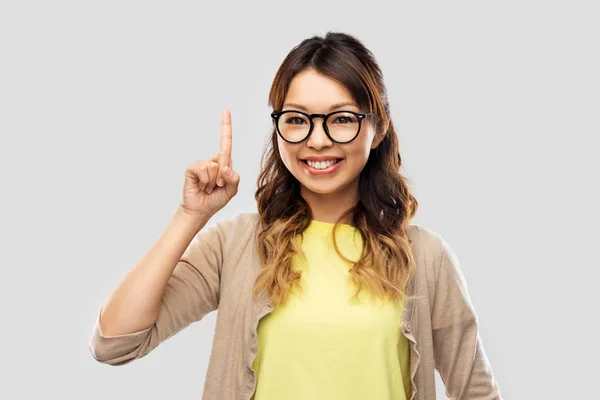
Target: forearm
{"type": "Point", "coordinates": [134, 305]}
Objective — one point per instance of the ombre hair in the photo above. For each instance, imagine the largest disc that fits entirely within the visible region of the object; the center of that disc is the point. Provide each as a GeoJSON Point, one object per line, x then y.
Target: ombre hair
{"type": "Point", "coordinates": [385, 204]}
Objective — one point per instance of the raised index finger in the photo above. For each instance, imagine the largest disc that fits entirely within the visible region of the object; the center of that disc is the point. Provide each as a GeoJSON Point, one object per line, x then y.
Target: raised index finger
{"type": "Point", "coordinates": [225, 153]}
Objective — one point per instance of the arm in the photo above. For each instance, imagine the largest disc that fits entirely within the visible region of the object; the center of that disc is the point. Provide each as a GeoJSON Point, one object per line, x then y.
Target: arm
{"type": "Point", "coordinates": [459, 354]}
{"type": "Point", "coordinates": [176, 283]}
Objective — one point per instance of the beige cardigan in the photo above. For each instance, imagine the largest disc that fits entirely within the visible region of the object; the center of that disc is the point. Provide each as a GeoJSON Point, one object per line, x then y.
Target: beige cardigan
{"type": "Point", "coordinates": [217, 271]}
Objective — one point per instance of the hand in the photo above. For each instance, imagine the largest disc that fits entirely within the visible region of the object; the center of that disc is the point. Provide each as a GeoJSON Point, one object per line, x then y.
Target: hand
{"type": "Point", "coordinates": [211, 183]}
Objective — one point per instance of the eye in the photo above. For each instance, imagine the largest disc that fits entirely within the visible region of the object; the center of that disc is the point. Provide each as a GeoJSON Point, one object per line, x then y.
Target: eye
{"type": "Point", "coordinates": [294, 120]}
{"type": "Point", "coordinates": [346, 119]}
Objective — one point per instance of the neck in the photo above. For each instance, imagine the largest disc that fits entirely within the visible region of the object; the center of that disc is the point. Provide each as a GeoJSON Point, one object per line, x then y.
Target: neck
{"type": "Point", "coordinates": [328, 207]}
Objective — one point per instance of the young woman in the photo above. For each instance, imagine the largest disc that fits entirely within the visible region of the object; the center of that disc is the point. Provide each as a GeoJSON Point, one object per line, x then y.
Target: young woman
{"type": "Point", "coordinates": [328, 291]}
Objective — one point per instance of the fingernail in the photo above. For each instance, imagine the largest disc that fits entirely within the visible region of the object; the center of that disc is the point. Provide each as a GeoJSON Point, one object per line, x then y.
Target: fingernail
{"type": "Point", "coordinates": [227, 171]}
{"type": "Point", "coordinates": [220, 182]}
{"type": "Point", "coordinates": [209, 191]}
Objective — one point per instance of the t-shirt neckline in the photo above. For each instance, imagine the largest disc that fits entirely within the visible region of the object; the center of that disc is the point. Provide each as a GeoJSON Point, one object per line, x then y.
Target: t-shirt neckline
{"type": "Point", "coordinates": [327, 227]}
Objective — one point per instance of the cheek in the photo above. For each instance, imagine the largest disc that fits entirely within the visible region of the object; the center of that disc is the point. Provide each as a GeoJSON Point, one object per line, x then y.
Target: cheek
{"type": "Point", "coordinates": [360, 150]}
{"type": "Point", "coordinates": [287, 153]}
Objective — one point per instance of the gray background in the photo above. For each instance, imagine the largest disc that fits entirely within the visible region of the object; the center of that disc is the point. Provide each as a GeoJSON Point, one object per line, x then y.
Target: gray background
{"type": "Point", "coordinates": [104, 104]}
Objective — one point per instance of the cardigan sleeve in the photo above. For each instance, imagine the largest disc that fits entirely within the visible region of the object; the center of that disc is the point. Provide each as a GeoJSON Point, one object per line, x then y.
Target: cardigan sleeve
{"type": "Point", "coordinates": [458, 350]}
{"type": "Point", "coordinates": [192, 291]}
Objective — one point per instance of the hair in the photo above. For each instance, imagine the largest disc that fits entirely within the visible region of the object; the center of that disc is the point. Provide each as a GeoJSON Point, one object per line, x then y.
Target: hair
{"type": "Point", "coordinates": [385, 204]}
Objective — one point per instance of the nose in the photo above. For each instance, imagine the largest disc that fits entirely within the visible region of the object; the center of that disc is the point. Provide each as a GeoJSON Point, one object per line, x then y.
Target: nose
{"type": "Point", "coordinates": [318, 138]}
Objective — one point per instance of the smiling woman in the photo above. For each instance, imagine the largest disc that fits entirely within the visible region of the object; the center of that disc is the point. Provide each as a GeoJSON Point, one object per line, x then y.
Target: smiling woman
{"type": "Point", "coordinates": [328, 291]}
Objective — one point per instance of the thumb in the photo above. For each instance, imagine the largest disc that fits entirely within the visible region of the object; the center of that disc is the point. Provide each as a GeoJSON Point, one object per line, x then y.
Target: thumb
{"type": "Point", "coordinates": [230, 176]}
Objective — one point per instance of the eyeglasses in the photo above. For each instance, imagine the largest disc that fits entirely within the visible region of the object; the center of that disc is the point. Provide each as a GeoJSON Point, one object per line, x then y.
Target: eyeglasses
{"type": "Point", "coordinates": [296, 126]}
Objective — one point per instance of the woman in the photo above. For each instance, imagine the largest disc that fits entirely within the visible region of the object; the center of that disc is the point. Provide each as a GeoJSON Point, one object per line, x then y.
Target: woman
{"type": "Point", "coordinates": [328, 291]}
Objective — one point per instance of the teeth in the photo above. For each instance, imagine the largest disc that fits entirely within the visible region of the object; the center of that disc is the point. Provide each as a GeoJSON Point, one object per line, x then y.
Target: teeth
{"type": "Point", "coordinates": [321, 164]}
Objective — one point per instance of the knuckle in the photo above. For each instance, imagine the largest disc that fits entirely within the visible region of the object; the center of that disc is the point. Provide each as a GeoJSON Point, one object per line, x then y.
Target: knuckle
{"type": "Point", "coordinates": [197, 166]}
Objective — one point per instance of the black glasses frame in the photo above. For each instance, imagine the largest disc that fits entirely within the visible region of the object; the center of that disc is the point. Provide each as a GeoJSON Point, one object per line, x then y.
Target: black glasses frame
{"type": "Point", "coordinates": [359, 116]}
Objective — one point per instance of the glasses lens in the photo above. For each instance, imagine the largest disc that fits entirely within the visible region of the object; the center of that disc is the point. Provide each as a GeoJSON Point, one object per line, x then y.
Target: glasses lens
{"type": "Point", "coordinates": [342, 126]}
{"type": "Point", "coordinates": [293, 126]}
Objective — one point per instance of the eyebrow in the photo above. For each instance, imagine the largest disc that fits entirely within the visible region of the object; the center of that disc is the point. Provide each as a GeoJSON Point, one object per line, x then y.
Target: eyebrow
{"type": "Point", "coordinates": [333, 107]}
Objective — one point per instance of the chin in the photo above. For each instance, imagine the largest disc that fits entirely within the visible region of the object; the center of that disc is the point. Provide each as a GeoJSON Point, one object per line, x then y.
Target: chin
{"type": "Point", "coordinates": [325, 188]}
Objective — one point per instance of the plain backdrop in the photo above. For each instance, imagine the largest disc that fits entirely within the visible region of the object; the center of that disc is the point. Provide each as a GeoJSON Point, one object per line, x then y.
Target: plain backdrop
{"type": "Point", "coordinates": [104, 104]}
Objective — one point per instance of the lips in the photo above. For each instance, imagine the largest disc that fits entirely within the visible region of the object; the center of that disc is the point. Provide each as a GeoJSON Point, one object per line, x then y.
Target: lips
{"type": "Point", "coordinates": [315, 171]}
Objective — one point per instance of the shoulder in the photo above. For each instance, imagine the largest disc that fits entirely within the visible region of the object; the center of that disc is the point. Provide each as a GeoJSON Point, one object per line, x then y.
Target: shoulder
{"type": "Point", "coordinates": [430, 249]}
{"type": "Point", "coordinates": [230, 235]}
{"type": "Point", "coordinates": [426, 239]}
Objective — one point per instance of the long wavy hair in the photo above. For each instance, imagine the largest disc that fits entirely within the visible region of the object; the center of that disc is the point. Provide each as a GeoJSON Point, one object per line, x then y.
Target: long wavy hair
{"type": "Point", "coordinates": [385, 204]}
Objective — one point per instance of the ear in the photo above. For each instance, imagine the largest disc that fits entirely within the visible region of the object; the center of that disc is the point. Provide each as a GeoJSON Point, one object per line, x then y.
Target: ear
{"type": "Point", "coordinates": [376, 140]}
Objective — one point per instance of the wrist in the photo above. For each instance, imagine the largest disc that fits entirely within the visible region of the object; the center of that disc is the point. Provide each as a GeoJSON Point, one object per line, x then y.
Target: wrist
{"type": "Point", "coordinates": [196, 218]}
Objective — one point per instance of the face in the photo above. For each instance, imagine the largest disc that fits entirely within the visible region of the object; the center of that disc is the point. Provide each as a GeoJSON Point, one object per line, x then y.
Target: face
{"type": "Point", "coordinates": [313, 92]}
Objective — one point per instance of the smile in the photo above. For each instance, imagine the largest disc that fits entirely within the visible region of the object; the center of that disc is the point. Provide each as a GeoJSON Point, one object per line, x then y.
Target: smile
{"type": "Point", "coordinates": [321, 168]}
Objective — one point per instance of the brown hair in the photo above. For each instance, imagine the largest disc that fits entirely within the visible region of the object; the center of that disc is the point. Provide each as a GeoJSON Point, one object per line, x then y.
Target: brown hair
{"type": "Point", "coordinates": [385, 204]}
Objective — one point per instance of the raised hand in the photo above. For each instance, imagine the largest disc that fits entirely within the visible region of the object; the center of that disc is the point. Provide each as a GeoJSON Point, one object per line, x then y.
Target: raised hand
{"type": "Point", "coordinates": [211, 183]}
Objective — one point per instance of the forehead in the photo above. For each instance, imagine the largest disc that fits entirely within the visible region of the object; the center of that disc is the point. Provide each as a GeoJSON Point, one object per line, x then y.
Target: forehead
{"type": "Point", "coordinates": [316, 92]}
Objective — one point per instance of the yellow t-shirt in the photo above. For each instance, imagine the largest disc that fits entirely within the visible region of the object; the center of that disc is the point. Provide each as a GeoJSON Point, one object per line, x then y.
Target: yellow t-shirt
{"type": "Point", "coordinates": [318, 344]}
